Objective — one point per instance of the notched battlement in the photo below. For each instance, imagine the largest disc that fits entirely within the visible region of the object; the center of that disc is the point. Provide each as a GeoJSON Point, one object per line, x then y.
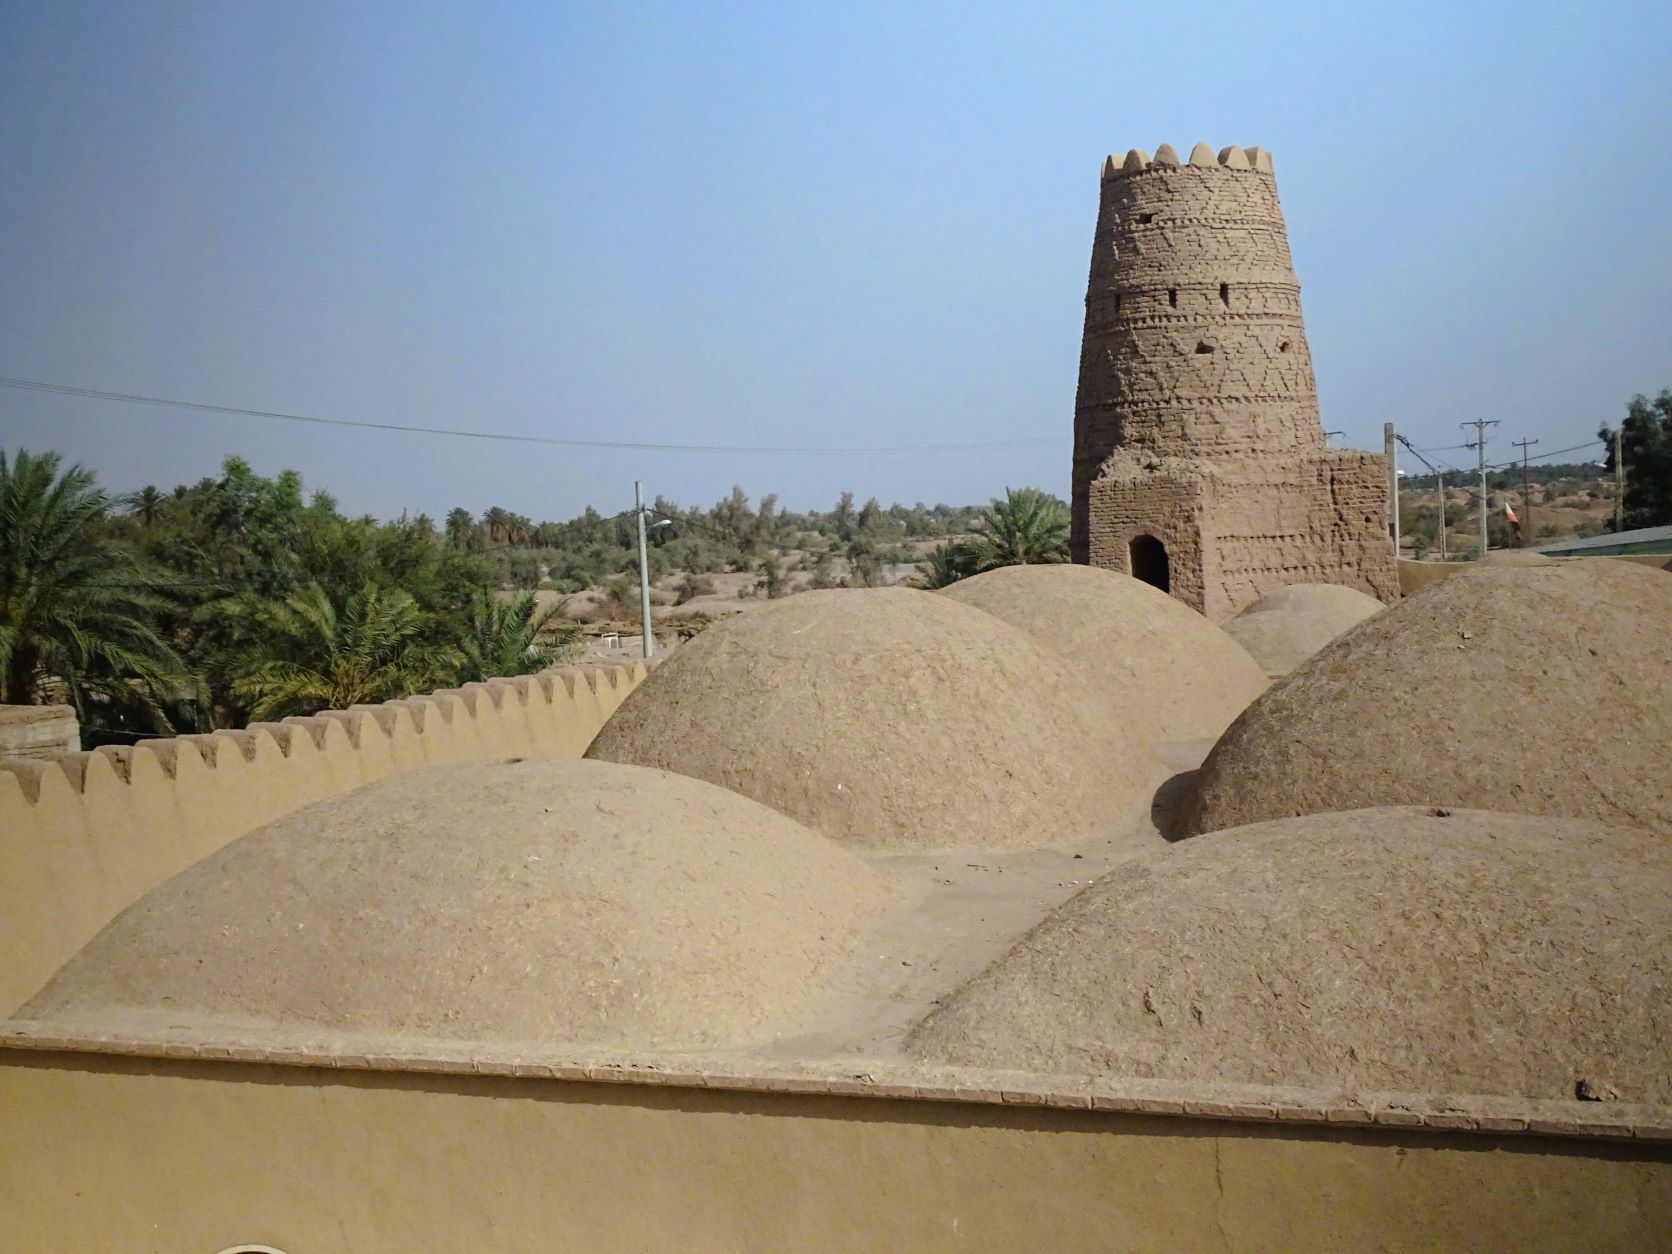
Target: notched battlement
{"type": "Point", "coordinates": [1231, 157]}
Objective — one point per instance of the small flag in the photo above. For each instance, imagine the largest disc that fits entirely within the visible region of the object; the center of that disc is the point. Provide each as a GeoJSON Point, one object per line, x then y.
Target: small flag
{"type": "Point", "coordinates": [1511, 514]}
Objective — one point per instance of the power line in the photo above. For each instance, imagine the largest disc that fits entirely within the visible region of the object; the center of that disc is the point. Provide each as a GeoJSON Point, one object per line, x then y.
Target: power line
{"type": "Point", "coordinates": [1417, 451]}
{"type": "Point", "coordinates": [128, 398]}
{"type": "Point", "coordinates": [1547, 456]}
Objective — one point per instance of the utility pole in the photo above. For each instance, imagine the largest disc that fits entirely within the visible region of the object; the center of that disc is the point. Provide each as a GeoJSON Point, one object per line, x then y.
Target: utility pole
{"type": "Point", "coordinates": [1619, 480]}
{"type": "Point", "coordinates": [1393, 485]}
{"type": "Point", "coordinates": [644, 571]}
{"type": "Point", "coordinates": [1440, 491]}
{"type": "Point", "coordinates": [1526, 491]}
{"type": "Point", "coordinates": [1480, 425]}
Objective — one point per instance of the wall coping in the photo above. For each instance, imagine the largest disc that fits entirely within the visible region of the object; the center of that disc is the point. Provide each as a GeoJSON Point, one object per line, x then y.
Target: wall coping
{"type": "Point", "coordinates": [29, 771]}
{"type": "Point", "coordinates": [882, 1078]}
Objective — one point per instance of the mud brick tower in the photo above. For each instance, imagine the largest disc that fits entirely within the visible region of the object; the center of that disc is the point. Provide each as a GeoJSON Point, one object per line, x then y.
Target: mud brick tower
{"type": "Point", "coordinates": [1199, 458]}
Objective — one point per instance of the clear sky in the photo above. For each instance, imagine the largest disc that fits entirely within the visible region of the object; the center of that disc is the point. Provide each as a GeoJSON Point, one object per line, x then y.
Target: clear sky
{"type": "Point", "coordinates": [787, 223]}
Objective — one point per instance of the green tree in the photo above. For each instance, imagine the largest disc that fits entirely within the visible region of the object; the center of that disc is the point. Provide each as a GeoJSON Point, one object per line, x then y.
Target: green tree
{"type": "Point", "coordinates": [772, 583]}
{"type": "Point", "coordinates": [1028, 527]}
{"type": "Point", "coordinates": [497, 523]}
{"type": "Point", "coordinates": [516, 637]}
{"type": "Point", "coordinates": [78, 610]}
{"type": "Point", "coordinates": [843, 517]}
{"type": "Point", "coordinates": [312, 654]}
{"type": "Point", "coordinates": [864, 563]}
{"type": "Point", "coordinates": [146, 505]}
{"type": "Point", "coordinates": [461, 530]}
{"type": "Point", "coordinates": [946, 564]}
{"type": "Point", "coordinates": [1646, 442]}
{"type": "Point", "coordinates": [869, 514]}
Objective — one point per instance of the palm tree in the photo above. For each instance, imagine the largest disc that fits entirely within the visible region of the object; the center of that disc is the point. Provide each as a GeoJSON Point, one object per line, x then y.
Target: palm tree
{"type": "Point", "coordinates": [1028, 527]}
{"type": "Point", "coordinates": [78, 610]}
{"type": "Point", "coordinates": [497, 523]}
{"type": "Point", "coordinates": [146, 505]}
{"type": "Point", "coordinates": [504, 639]}
{"type": "Point", "coordinates": [312, 655]}
{"type": "Point", "coordinates": [946, 564]}
{"type": "Point", "coordinates": [461, 528]}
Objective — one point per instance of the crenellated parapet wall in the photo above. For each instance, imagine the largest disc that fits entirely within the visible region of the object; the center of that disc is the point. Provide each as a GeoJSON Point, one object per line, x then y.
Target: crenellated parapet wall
{"type": "Point", "coordinates": [84, 835]}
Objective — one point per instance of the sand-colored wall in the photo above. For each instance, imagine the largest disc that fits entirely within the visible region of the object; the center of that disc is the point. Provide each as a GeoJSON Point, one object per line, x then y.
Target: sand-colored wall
{"type": "Point", "coordinates": [1415, 576]}
{"type": "Point", "coordinates": [199, 1156]}
{"type": "Point", "coordinates": [84, 835]}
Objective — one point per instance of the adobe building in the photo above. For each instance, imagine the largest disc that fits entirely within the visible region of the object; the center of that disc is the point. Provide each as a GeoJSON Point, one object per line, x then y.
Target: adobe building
{"type": "Point", "coordinates": [473, 997]}
{"type": "Point", "coordinates": [1199, 459]}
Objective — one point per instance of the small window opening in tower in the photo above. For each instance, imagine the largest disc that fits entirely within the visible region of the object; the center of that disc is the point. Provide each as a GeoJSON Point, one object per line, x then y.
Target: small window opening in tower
{"type": "Point", "coordinates": [1225, 295]}
{"type": "Point", "coordinates": [1148, 558]}
{"type": "Point", "coordinates": [1173, 297]}
{"type": "Point", "coordinates": [1283, 347]}
{"type": "Point", "coordinates": [1144, 219]}
{"type": "Point", "coordinates": [1117, 302]}
{"type": "Point", "coordinates": [1202, 346]}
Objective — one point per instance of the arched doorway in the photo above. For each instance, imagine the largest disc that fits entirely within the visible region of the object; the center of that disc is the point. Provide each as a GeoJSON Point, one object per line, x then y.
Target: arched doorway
{"type": "Point", "coordinates": [1148, 557]}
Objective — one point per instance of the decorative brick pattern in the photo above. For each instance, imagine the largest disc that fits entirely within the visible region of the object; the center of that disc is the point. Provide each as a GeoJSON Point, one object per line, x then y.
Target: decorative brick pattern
{"type": "Point", "coordinates": [1196, 420]}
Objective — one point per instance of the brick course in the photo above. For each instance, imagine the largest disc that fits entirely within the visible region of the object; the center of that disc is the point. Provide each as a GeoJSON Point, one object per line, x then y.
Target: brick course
{"type": "Point", "coordinates": [1196, 420]}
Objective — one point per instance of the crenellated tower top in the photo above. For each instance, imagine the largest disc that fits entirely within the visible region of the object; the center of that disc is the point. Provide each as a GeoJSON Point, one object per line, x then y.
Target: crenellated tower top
{"type": "Point", "coordinates": [1230, 157]}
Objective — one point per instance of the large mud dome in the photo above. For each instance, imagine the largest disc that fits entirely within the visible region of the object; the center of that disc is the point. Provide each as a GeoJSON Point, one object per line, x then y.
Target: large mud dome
{"type": "Point", "coordinates": [1379, 950]}
{"type": "Point", "coordinates": [893, 719]}
{"type": "Point", "coordinates": [1526, 688]}
{"type": "Point", "coordinates": [1285, 627]}
{"type": "Point", "coordinates": [542, 900]}
{"type": "Point", "coordinates": [1154, 658]}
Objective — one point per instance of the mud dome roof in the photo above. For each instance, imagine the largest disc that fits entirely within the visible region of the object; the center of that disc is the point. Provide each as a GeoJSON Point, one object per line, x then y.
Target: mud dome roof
{"type": "Point", "coordinates": [890, 718]}
{"type": "Point", "coordinates": [1526, 688]}
{"type": "Point", "coordinates": [540, 900]}
{"type": "Point", "coordinates": [1288, 625]}
{"type": "Point", "coordinates": [1377, 950]}
{"type": "Point", "coordinates": [1154, 658]}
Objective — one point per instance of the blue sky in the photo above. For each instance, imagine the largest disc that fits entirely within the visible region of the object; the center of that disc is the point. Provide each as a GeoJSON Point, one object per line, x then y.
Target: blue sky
{"type": "Point", "coordinates": [805, 224]}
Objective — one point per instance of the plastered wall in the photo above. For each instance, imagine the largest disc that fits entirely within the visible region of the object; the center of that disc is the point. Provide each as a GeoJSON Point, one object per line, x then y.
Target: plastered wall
{"type": "Point", "coordinates": [84, 835]}
{"type": "Point", "coordinates": [384, 1161]}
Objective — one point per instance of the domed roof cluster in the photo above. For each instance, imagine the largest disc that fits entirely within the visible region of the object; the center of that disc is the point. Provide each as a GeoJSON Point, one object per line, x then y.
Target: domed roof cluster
{"type": "Point", "coordinates": [1526, 688]}
{"type": "Point", "coordinates": [1403, 949]}
{"type": "Point", "coordinates": [537, 900]}
{"type": "Point", "coordinates": [1432, 857]}
{"type": "Point", "coordinates": [892, 719]}
{"type": "Point", "coordinates": [1152, 658]}
{"type": "Point", "coordinates": [1290, 624]}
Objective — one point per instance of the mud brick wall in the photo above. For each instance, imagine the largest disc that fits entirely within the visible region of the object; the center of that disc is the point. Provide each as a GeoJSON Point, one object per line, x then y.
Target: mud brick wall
{"type": "Point", "coordinates": [1194, 367]}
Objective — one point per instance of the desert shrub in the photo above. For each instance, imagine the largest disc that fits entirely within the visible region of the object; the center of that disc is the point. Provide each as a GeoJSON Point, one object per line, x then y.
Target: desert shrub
{"type": "Point", "coordinates": [691, 587]}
